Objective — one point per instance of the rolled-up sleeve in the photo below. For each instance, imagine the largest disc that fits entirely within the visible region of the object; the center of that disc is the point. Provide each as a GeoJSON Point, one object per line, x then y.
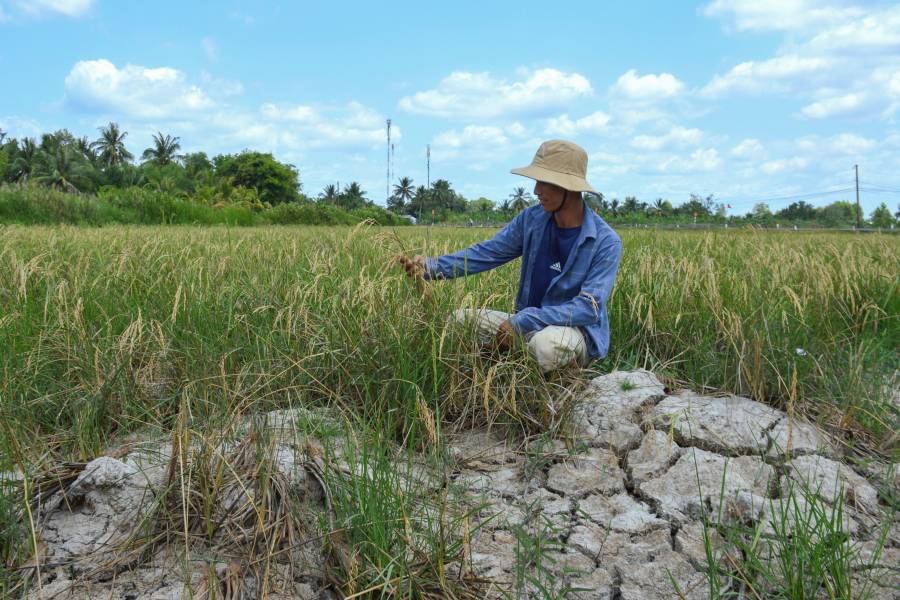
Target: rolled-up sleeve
{"type": "Point", "coordinates": [505, 246]}
{"type": "Point", "coordinates": [588, 306]}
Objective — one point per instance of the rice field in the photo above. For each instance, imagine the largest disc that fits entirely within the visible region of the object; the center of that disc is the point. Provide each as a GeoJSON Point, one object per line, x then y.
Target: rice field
{"type": "Point", "coordinates": [119, 331]}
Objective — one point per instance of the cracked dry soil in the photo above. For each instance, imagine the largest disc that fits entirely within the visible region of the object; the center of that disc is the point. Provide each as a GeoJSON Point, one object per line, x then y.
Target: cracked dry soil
{"type": "Point", "coordinates": [626, 509]}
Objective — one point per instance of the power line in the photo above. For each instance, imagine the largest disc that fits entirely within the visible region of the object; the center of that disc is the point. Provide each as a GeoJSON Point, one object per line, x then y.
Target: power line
{"type": "Point", "coordinates": [801, 196]}
{"type": "Point", "coordinates": [879, 188]}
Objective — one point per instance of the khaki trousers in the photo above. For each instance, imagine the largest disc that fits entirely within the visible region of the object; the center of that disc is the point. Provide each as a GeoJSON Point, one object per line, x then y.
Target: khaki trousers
{"type": "Point", "coordinates": [553, 346]}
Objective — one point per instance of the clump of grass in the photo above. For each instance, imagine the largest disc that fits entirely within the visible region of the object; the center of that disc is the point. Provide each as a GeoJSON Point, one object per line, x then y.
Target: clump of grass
{"type": "Point", "coordinates": [535, 572]}
{"type": "Point", "coordinates": [800, 550]}
{"type": "Point", "coordinates": [390, 534]}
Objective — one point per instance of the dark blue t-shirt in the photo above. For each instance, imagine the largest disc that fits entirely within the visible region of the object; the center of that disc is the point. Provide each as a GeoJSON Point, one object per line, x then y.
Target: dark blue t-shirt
{"type": "Point", "coordinates": [556, 244]}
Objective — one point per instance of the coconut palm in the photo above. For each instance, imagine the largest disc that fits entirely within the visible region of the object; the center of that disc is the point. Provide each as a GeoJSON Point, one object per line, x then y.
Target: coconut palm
{"type": "Point", "coordinates": [519, 199]}
{"type": "Point", "coordinates": [26, 160]}
{"type": "Point", "coordinates": [111, 146]}
{"type": "Point", "coordinates": [353, 196]}
{"type": "Point", "coordinates": [329, 194]}
{"type": "Point", "coordinates": [404, 190]}
{"type": "Point", "coordinates": [163, 151]}
{"type": "Point", "coordinates": [614, 206]}
{"type": "Point", "coordinates": [63, 171]}
{"type": "Point", "coordinates": [442, 195]}
{"type": "Point", "coordinates": [165, 185]}
{"type": "Point", "coordinates": [83, 146]}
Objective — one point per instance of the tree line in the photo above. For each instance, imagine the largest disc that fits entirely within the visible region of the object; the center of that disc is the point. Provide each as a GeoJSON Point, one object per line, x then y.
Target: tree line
{"type": "Point", "coordinates": [258, 182]}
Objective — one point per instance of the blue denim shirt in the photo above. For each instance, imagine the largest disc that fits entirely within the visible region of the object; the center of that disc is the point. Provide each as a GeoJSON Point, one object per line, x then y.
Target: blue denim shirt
{"type": "Point", "coordinates": [575, 298]}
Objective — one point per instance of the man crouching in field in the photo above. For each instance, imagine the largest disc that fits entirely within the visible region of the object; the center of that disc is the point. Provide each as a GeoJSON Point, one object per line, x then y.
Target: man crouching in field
{"type": "Point", "coordinates": [570, 258]}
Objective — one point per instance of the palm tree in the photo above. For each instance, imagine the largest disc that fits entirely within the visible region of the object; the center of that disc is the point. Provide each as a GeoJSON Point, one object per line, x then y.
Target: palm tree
{"type": "Point", "coordinates": [520, 199]}
{"type": "Point", "coordinates": [111, 146]}
{"type": "Point", "coordinates": [26, 161]}
{"type": "Point", "coordinates": [3, 135]}
{"type": "Point", "coordinates": [329, 194]}
{"type": "Point", "coordinates": [353, 196]}
{"type": "Point", "coordinates": [631, 204]}
{"type": "Point", "coordinates": [614, 206]}
{"type": "Point", "coordinates": [163, 151]}
{"type": "Point", "coordinates": [404, 190]}
{"type": "Point", "coordinates": [83, 146]}
{"type": "Point", "coordinates": [441, 195]}
{"type": "Point", "coordinates": [64, 172]}
{"type": "Point", "coordinates": [165, 185]}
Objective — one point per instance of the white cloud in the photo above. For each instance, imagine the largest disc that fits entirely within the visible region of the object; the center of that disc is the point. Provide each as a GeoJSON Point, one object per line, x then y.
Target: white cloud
{"type": "Point", "coordinates": [465, 94]}
{"type": "Point", "coordinates": [768, 75]}
{"type": "Point", "coordinates": [45, 8]}
{"type": "Point", "coordinates": [850, 143]}
{"type": "Point", "coordinates": [563, 125]}
{"type": "Point", "coordinates": [839, 57]}
{"type": "Point", "coordinates": [301, 127]}
{"type": "Point", "coordinates": [779, 15]}
{"type": "Point", "coordinates": [702, 159]}
{"type": "Point", "coordinates": [209, 46]}
{"type": "Point", "coordinates": [471, 136]}
{"type": "Point", "coordinates": [648, 87]}
{"type": "Point", "coordinates": [748, 148]}
{"type": "Point", "coordinates": [516, 129]}
{"type": "Point", "coordinates": [777, 166]}
{"type": "Point", "coordinates": [149, 98]}
{"type": "Point", "coordinates": [677, 136]}
{"type": "Point", "coordinates": [477, 147]}
{"type": "Point", "coordinates": [836, 105]}
{"type": "Point", "coordinates": [133, 91]}
{"type": "Point", "coordinates": [299, 113]}
{"type": "Point", "coordinates": [875, 32]}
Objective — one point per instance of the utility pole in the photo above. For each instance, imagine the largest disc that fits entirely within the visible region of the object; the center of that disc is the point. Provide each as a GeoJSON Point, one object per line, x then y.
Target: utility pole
{"type": "Point", "coordinates": [387, 184]}
{"type": "Point", "coordinates": [858, 210]}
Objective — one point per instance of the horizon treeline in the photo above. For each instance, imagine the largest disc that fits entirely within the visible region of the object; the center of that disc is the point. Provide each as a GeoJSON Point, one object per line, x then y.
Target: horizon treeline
{"type": "Point", "coordinates": [258, 188]}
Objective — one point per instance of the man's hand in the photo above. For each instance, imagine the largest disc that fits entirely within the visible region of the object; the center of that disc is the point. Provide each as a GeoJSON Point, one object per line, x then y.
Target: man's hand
{"type": "Point", "coordinates": [415, 266]}
{"type": "Point", "coordinates": [506, 335]}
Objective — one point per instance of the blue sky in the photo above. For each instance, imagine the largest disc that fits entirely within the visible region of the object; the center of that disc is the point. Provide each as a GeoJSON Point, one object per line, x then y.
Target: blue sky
{"type": "Point", "coordinates": [751, 100]}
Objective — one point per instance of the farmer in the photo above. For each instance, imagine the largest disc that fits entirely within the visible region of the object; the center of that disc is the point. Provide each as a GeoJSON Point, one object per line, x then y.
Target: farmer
{"type": "Point", "coordinates": [570, 258]}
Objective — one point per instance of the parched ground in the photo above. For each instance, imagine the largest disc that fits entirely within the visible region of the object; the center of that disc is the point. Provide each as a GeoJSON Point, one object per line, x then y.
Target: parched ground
{"type": "Point", "coordinates": [623, 507]}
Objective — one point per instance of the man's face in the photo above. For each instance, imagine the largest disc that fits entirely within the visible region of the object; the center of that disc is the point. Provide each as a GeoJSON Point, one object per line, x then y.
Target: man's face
{"type": "Point", "coordinates": [551, 196]}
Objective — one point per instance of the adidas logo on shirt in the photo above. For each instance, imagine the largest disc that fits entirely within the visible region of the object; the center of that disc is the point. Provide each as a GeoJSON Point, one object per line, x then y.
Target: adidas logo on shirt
{"type": "Point", "coordinates": [556, 267]}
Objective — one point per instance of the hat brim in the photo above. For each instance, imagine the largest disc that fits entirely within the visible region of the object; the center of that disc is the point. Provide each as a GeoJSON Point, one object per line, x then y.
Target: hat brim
{"type": "Point", "coordinates": [573, 183]}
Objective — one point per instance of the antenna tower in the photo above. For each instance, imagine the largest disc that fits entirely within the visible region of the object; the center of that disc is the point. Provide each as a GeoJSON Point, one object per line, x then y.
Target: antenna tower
{"type": "Point", "coordinates": [387, 185]}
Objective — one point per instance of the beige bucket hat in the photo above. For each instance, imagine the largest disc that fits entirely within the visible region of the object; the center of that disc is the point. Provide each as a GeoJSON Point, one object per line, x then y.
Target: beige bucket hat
{"type": "Point", "coordinates": [561, 163]}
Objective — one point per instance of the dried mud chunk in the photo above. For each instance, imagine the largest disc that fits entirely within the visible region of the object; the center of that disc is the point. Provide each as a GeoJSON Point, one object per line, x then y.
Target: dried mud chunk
{"type": "Point", "coordinates": [652, 457]}
{"type": "Point", "coordinates": [731, 425]}
{"type": "Point", "coordinates": [700, 480]}
{"type": "Point", "coordinates": [620, 513]}
{"type": "Point", "coordinates": [595, 472]}
{"type": "Point", "coordinates": [654, 579]}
